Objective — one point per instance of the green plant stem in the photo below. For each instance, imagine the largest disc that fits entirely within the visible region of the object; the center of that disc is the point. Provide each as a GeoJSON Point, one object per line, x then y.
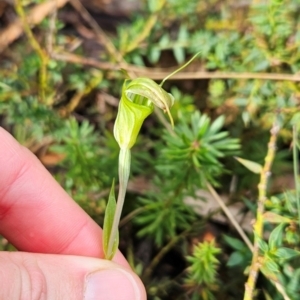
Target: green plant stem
{"type": "Point", "coordinates": [296, 172]}
{"type": "Point", "coordinates": [258, 226]}
{"type": "Point", "coordinates": [229, 215]}
{"type": "Point", "coordinates": [37, 48]}
{"type": "Point", "coordinates": [124, 170]}
{"type": "Point", "coordinates": [179, 69]}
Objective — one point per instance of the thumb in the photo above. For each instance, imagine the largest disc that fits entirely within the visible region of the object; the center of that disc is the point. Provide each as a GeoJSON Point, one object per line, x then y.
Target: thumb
{"type": "Point", "coordinates": [61, 277]}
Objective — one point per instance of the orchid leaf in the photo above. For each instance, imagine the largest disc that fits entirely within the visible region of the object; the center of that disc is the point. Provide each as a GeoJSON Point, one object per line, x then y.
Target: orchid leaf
{"type": "Point", "coordinates": [108, 223]}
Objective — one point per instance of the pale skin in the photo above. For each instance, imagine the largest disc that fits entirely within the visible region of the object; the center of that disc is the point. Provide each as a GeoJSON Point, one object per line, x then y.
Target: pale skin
{"type": "Point", "coordinates": [59, 245]}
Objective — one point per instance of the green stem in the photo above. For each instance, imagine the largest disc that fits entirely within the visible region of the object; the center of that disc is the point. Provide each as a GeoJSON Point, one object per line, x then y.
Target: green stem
{"type": "Point", "coordinates": [124, 170]}
{"type": "Point", "coordinates": [179, 69]}
{"type": "Point", "coordinates": [43, 56]}
{"type": "Point", "coordinates": [296, 173]}
{"type": "Point", "coordinates": [258, 226]}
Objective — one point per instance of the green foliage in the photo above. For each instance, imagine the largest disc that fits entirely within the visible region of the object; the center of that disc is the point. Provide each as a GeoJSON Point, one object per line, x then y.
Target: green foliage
{"type": "Point", "coordinates": [286, 205]}
{"type": "Point", "coordinates": [81, 142]}
{"type": "Point", "coordinates": [227, 109]}
{"type": "Point", "coordinates": [164, 214]}
{"type": "Point", "coordinates": [241, 255]}
{"type": "Point", "coordinates": [187, 159]}
{"type": "Point", "coordinates": [193, 152]}
{"type": "Point", "coordinates": [202, 273]}
{"type": "Point", "coordinates": [84, 159]}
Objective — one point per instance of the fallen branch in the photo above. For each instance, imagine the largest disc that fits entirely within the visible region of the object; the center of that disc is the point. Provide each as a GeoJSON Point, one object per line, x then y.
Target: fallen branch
{"type": "Point", "coordinates": [159, 74]}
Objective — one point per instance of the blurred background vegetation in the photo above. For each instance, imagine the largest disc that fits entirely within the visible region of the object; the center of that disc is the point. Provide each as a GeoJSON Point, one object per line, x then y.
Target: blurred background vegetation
{"type": "Point", "coordinates": [60, 83]}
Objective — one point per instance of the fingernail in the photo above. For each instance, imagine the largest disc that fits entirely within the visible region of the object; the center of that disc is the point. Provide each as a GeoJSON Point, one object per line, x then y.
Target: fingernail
{"type": "Point", "coordinates": [111, 284]}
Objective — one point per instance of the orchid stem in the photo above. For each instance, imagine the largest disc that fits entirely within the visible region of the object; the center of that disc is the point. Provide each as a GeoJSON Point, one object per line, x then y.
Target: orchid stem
{"type": "Point", "coordinates": [124, 170]}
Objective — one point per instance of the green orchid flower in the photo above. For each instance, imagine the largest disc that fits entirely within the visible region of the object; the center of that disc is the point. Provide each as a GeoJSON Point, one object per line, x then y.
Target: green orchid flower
{"type": "Point", "coordinates": [137, 102]}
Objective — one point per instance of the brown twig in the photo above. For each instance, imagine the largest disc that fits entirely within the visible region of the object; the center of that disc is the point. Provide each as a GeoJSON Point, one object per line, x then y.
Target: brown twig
{"type": "Point", "coordinates": [159, 74]}
{"type": "Point", "coordinates": [229, 216]}
{"type": "Point", "coordinates": [75, 100]}
{"type": "Point", "coordinates": [100, 34]}
{"type": "Point", "coordinates": [148, 26]}
{"type": "Point", "coordinates": [91, 62]}
{"type": "Point", "coordinates": [131, 215]}
{"type": "Point", "coordinates": [51, 32]}
{"type": "Point", "coordinates": [143, 35]}
{"type": "Point", "coordinates": [155, 261]}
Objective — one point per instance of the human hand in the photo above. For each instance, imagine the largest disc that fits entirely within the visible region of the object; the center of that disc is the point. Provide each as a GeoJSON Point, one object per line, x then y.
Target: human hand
{"type": "Point", "coordinates": [61, 243]}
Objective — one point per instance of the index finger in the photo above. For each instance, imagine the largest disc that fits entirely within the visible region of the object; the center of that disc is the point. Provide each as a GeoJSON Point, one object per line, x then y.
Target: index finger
{"type": "Point", "coordinates": [36, 214]}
